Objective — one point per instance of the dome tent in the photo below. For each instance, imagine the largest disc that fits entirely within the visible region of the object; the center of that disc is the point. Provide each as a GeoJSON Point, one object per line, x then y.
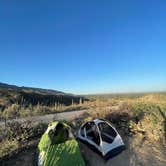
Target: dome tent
{"type": "Point", "coordinates": [102, 138]}
{"type": "Point", "coordinates": [58, 147]}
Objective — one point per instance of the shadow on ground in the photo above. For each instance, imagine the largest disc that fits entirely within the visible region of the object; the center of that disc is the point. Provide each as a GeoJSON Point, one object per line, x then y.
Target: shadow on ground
{"type": "Point", "coordinates": [137, 153]}
{"type": "Point", "coordinates": [26, 157]}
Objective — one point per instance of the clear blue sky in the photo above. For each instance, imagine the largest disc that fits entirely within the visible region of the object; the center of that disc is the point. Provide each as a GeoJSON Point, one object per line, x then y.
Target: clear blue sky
{"type": "Point", "coordinates": [84, 46]}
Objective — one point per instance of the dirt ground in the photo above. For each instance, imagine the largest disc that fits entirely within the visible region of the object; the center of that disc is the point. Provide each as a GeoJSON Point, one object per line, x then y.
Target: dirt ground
{"type": "Point", "coordinates": [24, 158]}
{"type": "Point", "coordinates": [137, 153]}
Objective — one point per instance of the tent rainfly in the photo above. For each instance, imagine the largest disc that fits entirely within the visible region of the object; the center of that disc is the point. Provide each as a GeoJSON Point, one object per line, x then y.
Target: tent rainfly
{"type": "Point", "coordinates": [102, 138]}
{"type": "Point", "coordinates": [58, 147]}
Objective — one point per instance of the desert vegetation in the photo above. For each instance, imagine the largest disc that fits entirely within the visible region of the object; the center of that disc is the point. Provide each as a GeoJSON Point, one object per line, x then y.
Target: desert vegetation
{"type": "Point", "coordinates": [18, 111]}
{"type": "Point", "coordinates": [140, 121]}
{"type": "Point", "coordinates": [144, 114]}
{"type": "Point", "coordinates": [16, 102]}
{"type": "Point", "coordinates": [16, 137]}
{"type": "Point", "coordinates": [140, 117]}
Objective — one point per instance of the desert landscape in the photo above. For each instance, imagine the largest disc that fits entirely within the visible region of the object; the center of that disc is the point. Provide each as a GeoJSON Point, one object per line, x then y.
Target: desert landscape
{"type": "Point", "coordinates": [139, 118]}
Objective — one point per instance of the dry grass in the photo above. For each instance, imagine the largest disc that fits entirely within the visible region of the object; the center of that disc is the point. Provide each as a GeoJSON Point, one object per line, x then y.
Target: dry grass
{"type": "Point", "coordinates": [15, 110]}
{"type": "Point", "coordinates": [16, 136]}
{"type": "Point", "coordinates": [8, 147]}
{"type": "Point", "coordinates": [143, 116]}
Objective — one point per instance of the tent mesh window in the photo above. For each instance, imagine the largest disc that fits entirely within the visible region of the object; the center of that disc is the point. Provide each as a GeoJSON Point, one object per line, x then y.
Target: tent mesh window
{"type": "Point", "coordinates": [108, 134]}
{"type": "Point", "coordinates": [92, 133]}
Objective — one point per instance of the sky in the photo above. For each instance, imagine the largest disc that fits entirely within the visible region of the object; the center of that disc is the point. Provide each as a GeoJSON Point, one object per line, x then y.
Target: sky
{"type": "Point", "coordinates": [84, 46]}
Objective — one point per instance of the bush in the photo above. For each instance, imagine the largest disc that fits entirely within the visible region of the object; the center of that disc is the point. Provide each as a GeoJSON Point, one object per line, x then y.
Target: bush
{"type": "Point", "coordinates": [12, 111]}
{"type": "Point", "coordinates": [25, 131]}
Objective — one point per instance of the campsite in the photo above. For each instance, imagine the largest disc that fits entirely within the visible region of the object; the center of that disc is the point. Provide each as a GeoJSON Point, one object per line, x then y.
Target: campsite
{"type": "Point", "coordinates": [138, 118]}
{"type": "Point", "coordinates": [83, 83]}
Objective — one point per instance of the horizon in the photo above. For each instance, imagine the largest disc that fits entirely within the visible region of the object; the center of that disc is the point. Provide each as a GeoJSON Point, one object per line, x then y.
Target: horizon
{"type": "Point", "coordinates": [86, 94]}
{"type": "Point", "coordinates": [85, 47]}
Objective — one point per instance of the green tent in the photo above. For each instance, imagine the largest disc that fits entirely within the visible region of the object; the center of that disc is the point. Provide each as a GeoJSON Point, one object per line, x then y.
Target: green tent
{"type": "Point", "coordinates": [58, 147]}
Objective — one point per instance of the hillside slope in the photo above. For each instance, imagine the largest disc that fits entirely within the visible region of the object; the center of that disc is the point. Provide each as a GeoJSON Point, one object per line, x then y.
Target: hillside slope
{"type": "Point", "coordinates": [11, 94]}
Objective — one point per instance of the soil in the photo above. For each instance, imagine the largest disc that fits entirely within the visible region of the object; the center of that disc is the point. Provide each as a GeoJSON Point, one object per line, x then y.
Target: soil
{"type": "Point", "coordinates": [26, 157]}
{"type": "Point", "coordinates": [137, 153]}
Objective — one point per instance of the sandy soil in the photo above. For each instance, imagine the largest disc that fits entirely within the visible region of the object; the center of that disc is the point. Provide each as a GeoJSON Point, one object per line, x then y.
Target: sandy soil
{"type": "Point", "coordinates": [137, 153]}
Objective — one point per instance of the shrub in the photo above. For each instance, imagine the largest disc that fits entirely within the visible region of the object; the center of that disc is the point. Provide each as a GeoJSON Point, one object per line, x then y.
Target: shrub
{"type": "Point", "coordinates": [12, 111]}
{"type": "Point", "coordinates": [25, 131]}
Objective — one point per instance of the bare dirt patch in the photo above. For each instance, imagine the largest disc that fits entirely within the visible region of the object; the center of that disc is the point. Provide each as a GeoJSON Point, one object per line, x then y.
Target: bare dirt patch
{"type": "Point", "coordinates": [137, 153]}
{"type": "Point", "coordinates": [26, 157]}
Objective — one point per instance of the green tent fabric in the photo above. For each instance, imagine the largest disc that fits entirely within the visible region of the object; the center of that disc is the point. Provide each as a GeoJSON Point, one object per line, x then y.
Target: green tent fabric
{"type": "Point", "coordinates": [58, 147]}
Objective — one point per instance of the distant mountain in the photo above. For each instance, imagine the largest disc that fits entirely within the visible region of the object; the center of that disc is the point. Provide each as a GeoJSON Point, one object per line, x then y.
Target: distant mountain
{"type": "Point", "coordinates": [3, 85]}
{"type": "Point", "coordinates": [31, 89]}
{"type": "Point", "coordinates": [10, 94]}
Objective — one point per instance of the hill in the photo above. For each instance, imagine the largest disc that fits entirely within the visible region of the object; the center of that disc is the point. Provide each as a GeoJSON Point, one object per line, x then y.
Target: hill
{"type": "Point", "coordinates": [11, 94]}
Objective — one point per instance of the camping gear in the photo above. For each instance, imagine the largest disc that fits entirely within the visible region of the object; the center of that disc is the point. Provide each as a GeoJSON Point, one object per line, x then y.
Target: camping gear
{"type": "Point", "coordinates": [101, 137]}
{"type": "Point", "coordinates": [58, 147]}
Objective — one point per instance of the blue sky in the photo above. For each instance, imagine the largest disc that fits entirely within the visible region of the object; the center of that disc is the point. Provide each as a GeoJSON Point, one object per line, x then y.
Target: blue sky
{"type": "Point", "coordinates": [81, 47]}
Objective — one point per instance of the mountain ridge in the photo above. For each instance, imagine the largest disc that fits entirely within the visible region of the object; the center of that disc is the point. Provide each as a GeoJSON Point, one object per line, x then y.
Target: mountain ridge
{"type": "Point", "coordinates": [50, 91]}
{"type": "Point", "coordinates": [11, 94]}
